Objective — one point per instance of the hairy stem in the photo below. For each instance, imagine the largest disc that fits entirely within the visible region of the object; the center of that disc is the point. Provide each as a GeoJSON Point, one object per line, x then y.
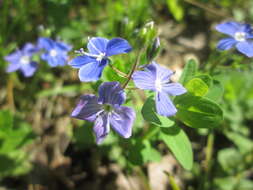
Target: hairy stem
{"type": "Point", "coordinates": [10, 97]}
{"type": "Point", "coordinates": [120, 73]}
{"type": "Point", "coordinates": [208, 8]}
{"type": "Point", "coordinates": [133, 69]}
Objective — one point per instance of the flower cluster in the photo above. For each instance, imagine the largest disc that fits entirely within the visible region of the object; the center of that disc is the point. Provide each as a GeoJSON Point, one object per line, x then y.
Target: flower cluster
{"type": "Point", "coordinates": [53, 52]}
{"type": "Point", "coordinates": [106, 110]}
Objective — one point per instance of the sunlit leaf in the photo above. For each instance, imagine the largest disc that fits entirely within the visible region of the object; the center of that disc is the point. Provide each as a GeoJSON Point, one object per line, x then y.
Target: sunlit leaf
{"type": "Point", "coordinates": [179, 144]}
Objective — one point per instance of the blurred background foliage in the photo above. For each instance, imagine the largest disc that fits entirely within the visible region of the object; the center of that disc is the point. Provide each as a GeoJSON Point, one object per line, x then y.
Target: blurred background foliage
{"type": "Point", "coordinates": [42, 148]}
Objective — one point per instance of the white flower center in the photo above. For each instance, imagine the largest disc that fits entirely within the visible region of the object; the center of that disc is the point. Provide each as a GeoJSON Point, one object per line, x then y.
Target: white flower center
{"type": "Point", "coordinates": [53, 53]}
{"type": "Point", "coordinates": [24, 60]}
{"type": "Point", "coordinates": [100, 56]}
{"type": "Point", "coordinates": [158, 85]}
{"type": "Point", "coordinates": [240, 36]}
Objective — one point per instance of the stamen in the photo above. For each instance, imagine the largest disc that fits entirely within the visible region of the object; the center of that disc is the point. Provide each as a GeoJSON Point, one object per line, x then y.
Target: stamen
{"type": "Point", "coordinates": [80, 51]}
{"type": "Point", "coordinates": [158, 85]}
{"type": "Point", "coordinates": [53, 53]}
{"type": "Point", "coordinates": [240, 36]}
{"type": "Point", "coordinates": [24, 60]}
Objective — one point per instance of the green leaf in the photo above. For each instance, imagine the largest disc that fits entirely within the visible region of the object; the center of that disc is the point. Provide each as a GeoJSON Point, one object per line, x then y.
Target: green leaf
{"type": "Point", "coordinates": [230, 160]}
{"type": "Point", "coordinates": [176, 9]}
{"type": "Point", "coordinates": [179, 144]}
{"type": "Point", "coordinates": [141, 151]}
{"type": "Point", "coordinates": [13, 136]}
{"type": "Point", "coordinates": [205, 78]}
{"type": "Point", "coordinates": [197, 87]}
{"type": "Point", "coordinates": [150, 115]}
{"type": "Point", "coordinates": [189, 71]}
{"type": "Point", "coordinates": [149, 153]}
{"type": "Point", "coordinates": [6, 120]}
{"type": "Point", "coordinates": [216, 91]}
{"type": "Point", "coordinates": [232, 183]}
{"type": "Point", "coordinates": [198, 112]}
{"type": "Point", "coordinates": [243, 143]}
{"type": "Point", "coordinates": [83, 136]}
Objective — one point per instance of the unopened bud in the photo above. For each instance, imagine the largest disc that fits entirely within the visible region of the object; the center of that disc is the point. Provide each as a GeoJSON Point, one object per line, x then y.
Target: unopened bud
{"type": "Point", "coordinates": [154, 49]}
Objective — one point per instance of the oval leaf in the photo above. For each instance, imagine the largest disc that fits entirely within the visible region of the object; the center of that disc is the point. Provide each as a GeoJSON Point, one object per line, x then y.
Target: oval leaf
{"type": "Point", "coordinates": [198, 112]}
{"type": "Point", "coordinates": [179, 144]}
{"type": "Point", "coordinates": [216, 91]}
{"type": "Point", "coordinates": [197, 87]}
{"type": "Point", "coordinates": [190, 69]}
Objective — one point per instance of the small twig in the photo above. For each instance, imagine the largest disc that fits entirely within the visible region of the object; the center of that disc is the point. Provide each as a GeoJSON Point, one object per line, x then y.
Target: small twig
{"type": "Point", "coordinates": [118, 71]}
{"type": "Point", "coordinates": [10, 97]}
{"type": "Point", "coordinates": [207, 8]}
{"type": "Point", "coordinates": [133, 69]}
{"type": "Point", "coordinates": [209, 151]}
{"type": "Point", "coordinates": [132, 88]}
{"type": "Point", "coordinates": [172, 181]}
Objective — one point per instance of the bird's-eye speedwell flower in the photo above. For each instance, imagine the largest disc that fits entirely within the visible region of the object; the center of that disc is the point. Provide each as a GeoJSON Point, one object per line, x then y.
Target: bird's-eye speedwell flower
{"type": "Point", "coordinates": [156, 78]}
{"type": "Point", "coordinates": [240, 37]}
{"type": "Point", "coordinates": [92, 63]}
{"type": "Point", "coordinates": [56, 53]}
{"type": "Point", "coordinates": [106, 110]}
{"type": "Point", "coordinates": [22, 60]}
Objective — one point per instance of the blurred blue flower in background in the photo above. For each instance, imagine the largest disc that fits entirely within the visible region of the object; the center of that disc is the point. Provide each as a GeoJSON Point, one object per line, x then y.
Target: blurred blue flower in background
{"type": "Point", "coordinates": [92, 64]}
{"type": "Point", "coordinates": [106, 110]}
{"type": "Point", "coordinates": [56, 53]}
{"type": "Point", "coordinates": [240, 37]}
{"type": "Point", "coordinates": [157, 78]}
{"type": "Point", "coordinates": [22, 60]}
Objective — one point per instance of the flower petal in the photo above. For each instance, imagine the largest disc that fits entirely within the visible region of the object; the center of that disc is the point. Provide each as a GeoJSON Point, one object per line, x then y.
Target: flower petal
{"type": "Point", "coordinates": [13, 57]}
{"type": "Point", "coordinates": [87, 108]}
{"type": "Point", "coordinates": [101, 127]}
{"type": "Point", "coordinates": [13, 67]}
{"type": "Point", "coordinates": [246, 28]}
{"type": "Point", "coordinates": [29, 69]}
{"type": "Point", "coordinates": [79, 61]}
{"type": "Point", "coordinates": [117, 46]}
{"type": "Point", "coordinates": [147, 79]}
{"type": "Point", "coordinates": [162, 73]}
{"type": "Point", "coordinates": [54, 61]}
{"type": "Point", "coordinates": [29, 49]}
{"type": "Point", "coordinates": [173, 89]}
{"type": "Point", "coordinates": [228, 28]}
{"type": "Point", "coordinates": [164, 105]}
{"type": "Point", "coordinates": [246, 48]}
{"type": "Point", "coordinates": [45, 43]}
{"type": "Point", "coordinates": [62, 46]}
{"type": "Point", "coordinates": [226, 43]}
{"type": "Point", "coordinates": [144, 80]}
{"type": "Point", "coordinates": [92, 71]}
{"type": "Point", "coordinates": [111, 93]}
{"type": "Point", "coordinates": [122, 120]}
{"type": "Point", "coordinates": [97, 45]}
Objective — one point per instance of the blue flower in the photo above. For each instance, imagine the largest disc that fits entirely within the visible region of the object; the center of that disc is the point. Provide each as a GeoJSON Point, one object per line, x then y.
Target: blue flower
{"type": "Point", "coordinates": [22, 60]}
{"type": "Point", "coordinates": [92, 64]}
{"type": "Point", "coordinates": [240, 37]}
{"type": "Point", "coordinates": [56, 53]}
{"type": "Point", "coordinates": [156, 78]}
{"type": "Point", "coordinates": [106, 111]}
